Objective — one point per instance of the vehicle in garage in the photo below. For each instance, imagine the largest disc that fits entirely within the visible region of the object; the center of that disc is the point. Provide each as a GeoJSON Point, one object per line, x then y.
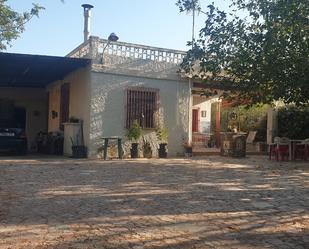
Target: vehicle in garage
{"type": "Point", "coordinates": [12, 130]}
{"type": "Point", "coordinates": [26, 81]}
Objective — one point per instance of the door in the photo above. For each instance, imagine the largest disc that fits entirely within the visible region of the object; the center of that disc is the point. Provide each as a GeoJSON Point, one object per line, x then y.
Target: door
{"type": "Point", "coordinates": [195, 120]}
{"type": "Point", "coordinates": [64, 104]}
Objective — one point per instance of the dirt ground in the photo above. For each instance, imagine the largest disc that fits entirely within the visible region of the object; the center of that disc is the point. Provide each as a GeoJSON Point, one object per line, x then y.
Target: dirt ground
{"type": "Point", "coordinates": [212, 202]}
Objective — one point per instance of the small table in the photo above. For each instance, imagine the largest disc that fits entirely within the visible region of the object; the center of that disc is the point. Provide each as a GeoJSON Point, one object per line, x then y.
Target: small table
{"type": "Point", "coordinates": [105, 146]}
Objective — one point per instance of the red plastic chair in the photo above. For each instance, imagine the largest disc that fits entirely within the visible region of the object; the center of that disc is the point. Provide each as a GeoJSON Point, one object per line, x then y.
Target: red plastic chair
{"type": "Point", "coordinates": [272, 150]}
{"type": "Point", "coordinates": [302, 150]}
{"type": "Point", "coordinates": [280, 148]}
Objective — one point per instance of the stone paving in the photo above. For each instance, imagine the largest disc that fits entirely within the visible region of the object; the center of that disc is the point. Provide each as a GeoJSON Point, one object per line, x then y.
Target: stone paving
{"type": "Point", "coordinates": [174, 203]}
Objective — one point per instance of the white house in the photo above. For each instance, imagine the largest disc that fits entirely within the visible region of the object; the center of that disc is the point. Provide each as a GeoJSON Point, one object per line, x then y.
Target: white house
{"type": "Point", "coordinates": [107, 91]}
{"type": "Point", "coordinates": [129, 82]}
{"type": "Point", "coordinates": [107, 84]}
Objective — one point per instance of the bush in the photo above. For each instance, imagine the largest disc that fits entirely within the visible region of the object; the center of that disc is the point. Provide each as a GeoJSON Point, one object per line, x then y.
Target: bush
{"type": "Point", "coordinates": [162, 134]}
{"type": "Point", "coordinates": [293, 122]}
{"type": "Point", "coordinates": [245, 119]}
{"type": "Point", "coordinates": [135, 131]}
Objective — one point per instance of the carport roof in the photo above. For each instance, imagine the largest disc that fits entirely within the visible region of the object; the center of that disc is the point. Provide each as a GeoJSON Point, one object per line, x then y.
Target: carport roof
{"type": "Point", "coordinates": [26, 70]}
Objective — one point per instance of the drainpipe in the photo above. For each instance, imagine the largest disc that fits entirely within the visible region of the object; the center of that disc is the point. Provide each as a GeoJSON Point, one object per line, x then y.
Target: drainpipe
{"type": "Point", "coordinates": [190, 112]}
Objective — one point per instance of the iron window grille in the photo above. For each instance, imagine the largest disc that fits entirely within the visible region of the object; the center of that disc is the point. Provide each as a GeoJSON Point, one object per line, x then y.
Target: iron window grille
{"type": "Point", "coordinates": [142, 105]}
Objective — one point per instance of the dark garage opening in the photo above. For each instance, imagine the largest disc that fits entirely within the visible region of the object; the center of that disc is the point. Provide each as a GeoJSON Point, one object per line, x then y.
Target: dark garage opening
{"type": "Point", "coordinates": [12, 128]}
{"type": "Point", "coordinates": [23, 96]}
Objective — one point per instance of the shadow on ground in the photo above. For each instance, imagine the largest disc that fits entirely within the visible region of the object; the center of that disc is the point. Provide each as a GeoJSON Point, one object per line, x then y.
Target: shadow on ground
{"type": "Point", "coordinates": [174, 203]}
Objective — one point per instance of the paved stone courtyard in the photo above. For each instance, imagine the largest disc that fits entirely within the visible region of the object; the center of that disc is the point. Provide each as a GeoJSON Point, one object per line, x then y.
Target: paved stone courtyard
{"type": "Point", "coordinates": [174, 203]}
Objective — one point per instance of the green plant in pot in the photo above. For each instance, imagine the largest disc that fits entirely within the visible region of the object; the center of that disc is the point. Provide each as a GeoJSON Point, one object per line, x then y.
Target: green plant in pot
{"type": "Point", "coordinates": [79, 150]}
{"type": "Point", "coordinates": [147, 150]}
{"type": "Point", "coordinates": [188, 148]}
{"type": "Point", "coordinates": [162, 135]}
{"type": "Point", "coordinates": [134, 133]}
{"type": "Point", "coordinates": [73, 119]}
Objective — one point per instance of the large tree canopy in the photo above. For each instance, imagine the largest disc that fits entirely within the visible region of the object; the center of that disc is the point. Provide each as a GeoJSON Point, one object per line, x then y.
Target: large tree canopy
{"type": "Point", "coordinates": [260, 49]}
{"type": "Point", "coordinates": [12, 23]}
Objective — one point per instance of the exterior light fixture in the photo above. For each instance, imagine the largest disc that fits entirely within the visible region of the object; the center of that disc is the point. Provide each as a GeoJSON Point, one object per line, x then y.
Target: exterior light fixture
{"type": "Point", "coordinates": [111, 38]}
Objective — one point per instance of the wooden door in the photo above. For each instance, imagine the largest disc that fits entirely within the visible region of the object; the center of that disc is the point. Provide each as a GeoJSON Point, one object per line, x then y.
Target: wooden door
{"type": "Point", "coordinates": [195, 120]}
{"type": "Point", "coordinates": [64, 104]}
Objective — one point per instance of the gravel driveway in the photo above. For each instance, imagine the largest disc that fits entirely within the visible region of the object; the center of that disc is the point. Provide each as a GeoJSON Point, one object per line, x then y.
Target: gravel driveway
{"type": "Point", "coordinates": [210, 202]}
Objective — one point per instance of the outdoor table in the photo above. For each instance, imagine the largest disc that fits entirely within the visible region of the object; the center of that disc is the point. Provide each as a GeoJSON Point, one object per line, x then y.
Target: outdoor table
{"type": "Point", "coordinates": [106, 140]}
{"type": "Point", "coordinates": [292, 146]}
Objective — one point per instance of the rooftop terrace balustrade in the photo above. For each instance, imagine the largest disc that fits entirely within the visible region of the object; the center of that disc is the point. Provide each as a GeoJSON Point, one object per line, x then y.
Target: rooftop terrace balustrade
{"type": "Point", "coordinates": [95, 46]}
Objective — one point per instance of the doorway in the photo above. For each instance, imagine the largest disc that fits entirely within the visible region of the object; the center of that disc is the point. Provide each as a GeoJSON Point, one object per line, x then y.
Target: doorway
{"type": "Point", "coordinates": [195, 120]}
{"type": "Point", "coordinates": [64, 104]}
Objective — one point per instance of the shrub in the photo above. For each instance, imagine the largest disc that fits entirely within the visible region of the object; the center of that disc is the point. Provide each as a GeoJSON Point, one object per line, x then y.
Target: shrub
{"type": "Point", "coordinates": [162, 134]}
{"type": "Point", "coordinates": [135, 131]}
{"type": "Point", "coordinates": [253, 118]}
{"type": "Point", "coordinates": [293, 122]}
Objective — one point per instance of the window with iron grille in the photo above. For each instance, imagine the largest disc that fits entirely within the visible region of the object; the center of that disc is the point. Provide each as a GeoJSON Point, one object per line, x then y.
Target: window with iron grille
{"type": "Point", "coordinates": [141, 106]}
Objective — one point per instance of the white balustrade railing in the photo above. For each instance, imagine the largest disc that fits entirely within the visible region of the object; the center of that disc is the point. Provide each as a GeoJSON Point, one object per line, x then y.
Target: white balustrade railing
{"type": "Point", "coordinates": [96, 46]}
{"type": "Point", "coordinates": [82, 51]}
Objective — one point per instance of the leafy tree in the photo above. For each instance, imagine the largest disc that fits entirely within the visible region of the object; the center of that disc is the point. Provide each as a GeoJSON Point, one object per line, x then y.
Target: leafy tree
{"type": "Point", "coordinates": [293, 122]}
{"type": "Point", "coordinates": [188, 5]}
{"type": "Point", "coordinates": [259, 51]}
{"type": "Point", "coordinates": [12, 23]}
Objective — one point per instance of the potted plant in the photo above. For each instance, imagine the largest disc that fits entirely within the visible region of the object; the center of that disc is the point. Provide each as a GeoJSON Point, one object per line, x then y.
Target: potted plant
{"type": "Point", "coordinates": [162, 134]}
{"type": "Point", "coordinates": [73, 119]}
{"type": "Point", "coordinates": [147, 150]}
{"type": "Point", "coordinates": [188, 149]}
{"type": "Point", "coordinates": [134, 133]}
{"type": "Point", "coordinates": [79, 150]}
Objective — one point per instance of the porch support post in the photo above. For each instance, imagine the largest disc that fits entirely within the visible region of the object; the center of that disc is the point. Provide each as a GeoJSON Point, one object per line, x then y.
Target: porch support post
{"type": "Point", "coordinates": [272, 124]}
{"type": "Point", "coordinates": [218, 125]}
{"type": "Point", "coordinates": [93, 47]}
{"type": "Point", "coordinates": [190, 104]}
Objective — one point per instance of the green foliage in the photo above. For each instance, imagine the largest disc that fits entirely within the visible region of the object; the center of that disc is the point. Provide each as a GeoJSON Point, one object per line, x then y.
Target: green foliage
{"type": "Point", "coordinates": [135, 131]}
{"type": "Point", "coordinates": [162, 133]}
{"type": "Point", "coordinates": [293, 122]}
{"type": "Point", "coordinates": [246, 119]}
{"type": "Point", "coordinates": [73, 119]}
{"type": "Point", "coordinates": [12, 23]}
{"type": "Point", "coordinates": [188, 5]}
{"type": "Point", "coordinates": [263, 54]}
{"type": "Point", "coordinates": [214, 109]}
{"type": "Point", "coordinates": [147, 152]}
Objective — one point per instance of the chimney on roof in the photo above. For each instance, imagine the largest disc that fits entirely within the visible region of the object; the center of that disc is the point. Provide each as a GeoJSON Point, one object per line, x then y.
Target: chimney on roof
{"type": "Point", "coordinates": [87, 16]}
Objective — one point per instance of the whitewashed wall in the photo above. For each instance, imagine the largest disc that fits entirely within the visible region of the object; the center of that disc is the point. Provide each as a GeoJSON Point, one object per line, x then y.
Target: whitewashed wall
{"type": "Point", "coordinates": [54, 106]}
{"type": "Point", "coordinates": [79, 100]}
{"type": "Point", "coordinates": [35, 102]}
{"type": "Point", "coordinates": [204, 104]}
{"type": "Point", "coordinates": [108, 107]}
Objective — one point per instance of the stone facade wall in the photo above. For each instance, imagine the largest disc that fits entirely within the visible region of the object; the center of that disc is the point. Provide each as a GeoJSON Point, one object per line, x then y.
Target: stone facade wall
{"type": "Point", "coordinates": [118, 65]}
{"type": "Point", "coordinates": [108, 114]}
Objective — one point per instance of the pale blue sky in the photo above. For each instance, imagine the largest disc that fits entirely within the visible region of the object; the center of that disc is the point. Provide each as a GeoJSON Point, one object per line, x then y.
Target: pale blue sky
{"type": "Point", "coordinates": [60, 26]}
